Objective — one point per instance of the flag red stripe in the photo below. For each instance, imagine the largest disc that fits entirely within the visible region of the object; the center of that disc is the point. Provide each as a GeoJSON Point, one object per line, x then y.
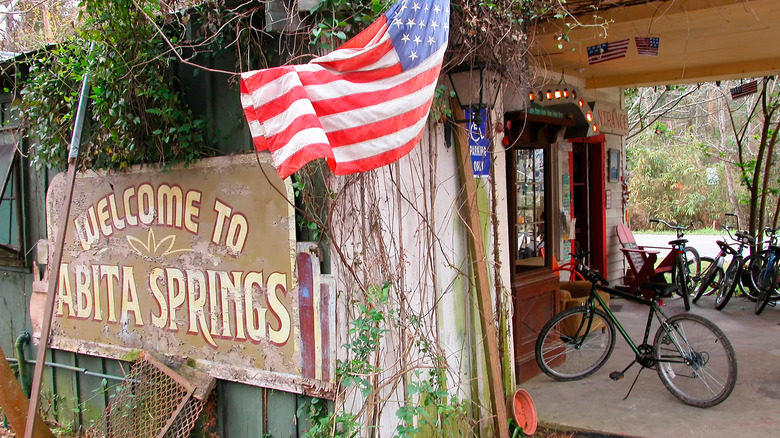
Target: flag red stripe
{"type": "Point", "coordinates": [304, 121]}
{"type": "Point", "coordinates": [260, 143]}
{"type": "Point", "coordinates": [309, 153]}
{"type": "Point", "coordinates": [322, 77]}
{"type": "Point", "coordinates": [371, 163]}
{"type": "Point", "coordinates": [379, 128]}
{"type": "Point", "coordinates": [360, 61]}
{"type": "Point", "coordinates": [347, 102]}
{"type": "Point", "coordinates": [358, 100]}
{"type": "Point", "coordinates": [362, 39]}
{"type": "Point", "coordinates": [263, 77]}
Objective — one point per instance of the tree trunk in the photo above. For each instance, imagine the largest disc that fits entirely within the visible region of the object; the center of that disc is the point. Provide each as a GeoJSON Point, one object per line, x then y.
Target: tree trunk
{"type": "Point", "coordinates": [732, 193]}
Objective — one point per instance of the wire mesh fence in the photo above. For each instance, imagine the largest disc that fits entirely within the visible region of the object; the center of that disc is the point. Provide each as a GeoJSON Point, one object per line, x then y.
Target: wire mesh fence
{"type": "Point", "coordinates": [152, 402]}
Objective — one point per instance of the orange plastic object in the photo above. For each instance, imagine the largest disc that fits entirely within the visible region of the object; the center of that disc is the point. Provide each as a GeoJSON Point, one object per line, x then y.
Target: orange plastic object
{"type": "Point", "coordinates": [523, 411]}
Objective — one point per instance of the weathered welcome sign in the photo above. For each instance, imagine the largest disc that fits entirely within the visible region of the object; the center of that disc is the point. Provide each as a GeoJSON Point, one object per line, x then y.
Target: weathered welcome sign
{"type": "Point", "coordinates": [197, 262]}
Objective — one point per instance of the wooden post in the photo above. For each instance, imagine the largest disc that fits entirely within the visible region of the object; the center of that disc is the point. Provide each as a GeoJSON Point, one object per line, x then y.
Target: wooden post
{"type": "Point", "coordinates": [54, 277]}
{"type": "Point", "coordinates": [14, 402]}
{"type": "Point", "coordinates": [478, 257]}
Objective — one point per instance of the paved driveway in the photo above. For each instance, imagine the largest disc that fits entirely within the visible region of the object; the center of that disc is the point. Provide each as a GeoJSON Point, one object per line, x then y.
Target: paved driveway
{"type": "Point", "coordinates": [704, 244]}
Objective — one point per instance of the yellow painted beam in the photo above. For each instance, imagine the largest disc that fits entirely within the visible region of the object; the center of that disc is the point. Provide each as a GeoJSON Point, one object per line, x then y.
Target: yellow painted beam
{"type": "Point", "coordinates": [651, 10]}
{"type": "Point", "coordinates": [688, 75]}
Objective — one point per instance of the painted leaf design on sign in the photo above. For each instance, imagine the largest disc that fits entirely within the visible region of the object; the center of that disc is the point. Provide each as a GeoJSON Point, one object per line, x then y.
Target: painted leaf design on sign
{"type": "Point", "coordinates": [152, 248]}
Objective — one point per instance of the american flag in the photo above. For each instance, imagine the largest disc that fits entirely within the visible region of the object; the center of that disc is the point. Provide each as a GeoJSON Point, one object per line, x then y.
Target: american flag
{"type": "Point", "coordinates": [743, 90]}
{"type": "Point", "coordinates": [647, 46]}
{"type": "Point", "coordinates": [607, 51]}
{"type": "Point", "coordinates": [361, 106]}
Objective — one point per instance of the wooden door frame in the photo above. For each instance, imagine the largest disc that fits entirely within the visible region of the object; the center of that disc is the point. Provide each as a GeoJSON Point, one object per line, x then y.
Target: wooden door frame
{"type": "Point", "coordinates": [597, 200]}
{"type": "Point", "coordinates": [535, 296]}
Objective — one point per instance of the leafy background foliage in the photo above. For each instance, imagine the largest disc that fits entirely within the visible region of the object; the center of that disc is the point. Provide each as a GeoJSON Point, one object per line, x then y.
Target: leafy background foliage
{"type": "Point", "coordinates": [136, 110]}
{"type": "Point", "coordinates": [694, 153]}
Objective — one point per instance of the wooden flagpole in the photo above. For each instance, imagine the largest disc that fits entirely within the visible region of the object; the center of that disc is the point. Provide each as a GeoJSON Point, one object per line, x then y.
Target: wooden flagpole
{"type": "Point", "coordinates": [54, 274]}
{"type": "Point", "coordinates": [492, 359]}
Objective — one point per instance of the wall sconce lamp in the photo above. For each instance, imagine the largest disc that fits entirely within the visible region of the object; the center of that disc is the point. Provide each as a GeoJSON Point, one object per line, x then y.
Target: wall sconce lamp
{"type": "Point", "coordinates": [483, 94]}
{"type": "Point", "coordinates": [474, 96]}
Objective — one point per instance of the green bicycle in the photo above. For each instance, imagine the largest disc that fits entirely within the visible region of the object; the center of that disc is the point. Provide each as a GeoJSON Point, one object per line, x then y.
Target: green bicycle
{"type": "Point", "coordinates": [692, 356]}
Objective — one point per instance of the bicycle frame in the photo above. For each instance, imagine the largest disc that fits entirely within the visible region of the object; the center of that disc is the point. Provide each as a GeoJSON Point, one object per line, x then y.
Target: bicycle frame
{"type": "Point", "coordinates": [770, 263]}
{"type": "Point", "coordinates": [655, 312]}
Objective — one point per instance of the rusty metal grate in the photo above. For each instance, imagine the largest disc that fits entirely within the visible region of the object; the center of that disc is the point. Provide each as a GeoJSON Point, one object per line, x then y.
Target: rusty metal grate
{"type": "Point", "coordinates": [154, 401]}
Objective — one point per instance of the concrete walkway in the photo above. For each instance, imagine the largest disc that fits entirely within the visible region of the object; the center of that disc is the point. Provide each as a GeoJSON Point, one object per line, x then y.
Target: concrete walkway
{"type": "Point", "coordinates": [595, 404]}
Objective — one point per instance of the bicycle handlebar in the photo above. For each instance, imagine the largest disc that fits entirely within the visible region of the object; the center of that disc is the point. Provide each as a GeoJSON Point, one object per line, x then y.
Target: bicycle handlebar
{"type": "Point", "coordinates": [678, 228]}
{"type": "Point", "coordinates": [592, 275]}
{"type": "Point", "coordinates": [769, 231]}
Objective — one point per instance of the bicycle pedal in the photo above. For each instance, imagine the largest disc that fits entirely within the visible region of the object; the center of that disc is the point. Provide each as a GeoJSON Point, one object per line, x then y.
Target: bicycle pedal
{"type": "Point", "coordinates": [616, 375]}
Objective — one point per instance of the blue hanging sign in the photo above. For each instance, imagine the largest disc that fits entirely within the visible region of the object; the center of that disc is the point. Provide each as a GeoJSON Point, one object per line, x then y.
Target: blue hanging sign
{"type": "Point", "coordinates": [479, 143]}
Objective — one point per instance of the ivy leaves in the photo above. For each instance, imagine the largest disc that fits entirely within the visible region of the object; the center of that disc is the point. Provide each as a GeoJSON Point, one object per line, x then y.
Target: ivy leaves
{"type": "Point", "coordinates": [137, 113]}
{"type": "Point", "coordinates": [341, 19]}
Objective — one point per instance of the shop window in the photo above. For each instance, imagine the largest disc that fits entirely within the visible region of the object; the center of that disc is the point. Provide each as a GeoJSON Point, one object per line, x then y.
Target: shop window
{"type": "Point", "coordinates": [11, 223]}
{"type": "Point", "coordinates": [530, 208]}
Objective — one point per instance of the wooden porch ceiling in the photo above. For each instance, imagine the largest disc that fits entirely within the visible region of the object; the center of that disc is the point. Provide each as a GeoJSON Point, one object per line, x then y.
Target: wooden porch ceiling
{"type": "Point", "coordinates": [700, 40]}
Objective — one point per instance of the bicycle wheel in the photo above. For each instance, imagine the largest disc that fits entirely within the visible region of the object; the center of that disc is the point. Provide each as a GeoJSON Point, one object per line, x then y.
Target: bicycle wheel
{"type": "Point", "coordinates": [695, 360]}
{"type": "Point", "coordinates": [711, 277]}
{"type": "Point", "coordinates": [693, 261]}
{"type": "Point", "coordinates": [753, 268]}
{"type": "Point", "coordinates": [681, 277]}
{"type": "Point", "coordinates": [768, 287]}
{"type": "Point", "coordinates": [729, 283]}
{"type": "Point", "coordinates": [575, 343]}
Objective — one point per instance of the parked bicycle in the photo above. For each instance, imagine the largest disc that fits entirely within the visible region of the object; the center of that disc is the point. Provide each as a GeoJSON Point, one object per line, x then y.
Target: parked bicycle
{"type": "Point", "coordinates": [684, 261]}
{"type": "Point", "coordinates": [712, 269]}
{"type": "Point", "coordinates": [767, 278]}
{"type": "Point", "coordinates": [733, 275]}
{"type": "Point", "coordinates": [692, 356]}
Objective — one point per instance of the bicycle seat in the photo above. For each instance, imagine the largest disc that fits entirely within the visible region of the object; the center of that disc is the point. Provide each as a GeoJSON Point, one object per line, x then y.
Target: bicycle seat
{"type": "Point", "coordinates": [660, 290]}
{"type": "Point", "coordinates": [726, 248]}
{"type": "Point", "coordinates": [678, 242]}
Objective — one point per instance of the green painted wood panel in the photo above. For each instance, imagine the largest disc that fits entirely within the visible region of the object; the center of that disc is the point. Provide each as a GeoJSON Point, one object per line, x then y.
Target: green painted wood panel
{"type": "Point", "coordinates": [240, 409]}
{"type": "Point", "coordinates": [62, 399]}
{"type": "Point", "coordinates": [281, 419]}
{"type": "Point", "coordinates": [91, 390]}
{"type": "Point", "coordinates": [13, 307]}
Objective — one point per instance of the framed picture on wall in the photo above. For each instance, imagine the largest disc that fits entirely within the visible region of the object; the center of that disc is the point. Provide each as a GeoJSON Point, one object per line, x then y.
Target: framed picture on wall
{"type": "Point", "coordinates": [614, 165]}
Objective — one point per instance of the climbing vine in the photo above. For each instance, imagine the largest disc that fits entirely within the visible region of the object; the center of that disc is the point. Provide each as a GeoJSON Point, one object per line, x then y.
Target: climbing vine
{"type": "Point", "coordinates": [136, 110]}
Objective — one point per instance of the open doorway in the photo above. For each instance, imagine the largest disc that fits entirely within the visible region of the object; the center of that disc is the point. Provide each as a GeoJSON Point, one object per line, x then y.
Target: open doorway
{"type": "Point", "coordinates": [588, 200]}
{"type": "Point", "coordinates": [580, 170]}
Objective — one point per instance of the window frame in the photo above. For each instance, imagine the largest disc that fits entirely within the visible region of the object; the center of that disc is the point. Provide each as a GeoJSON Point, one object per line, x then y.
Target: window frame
{"type": "Point", "coordinates": [13, 252]}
